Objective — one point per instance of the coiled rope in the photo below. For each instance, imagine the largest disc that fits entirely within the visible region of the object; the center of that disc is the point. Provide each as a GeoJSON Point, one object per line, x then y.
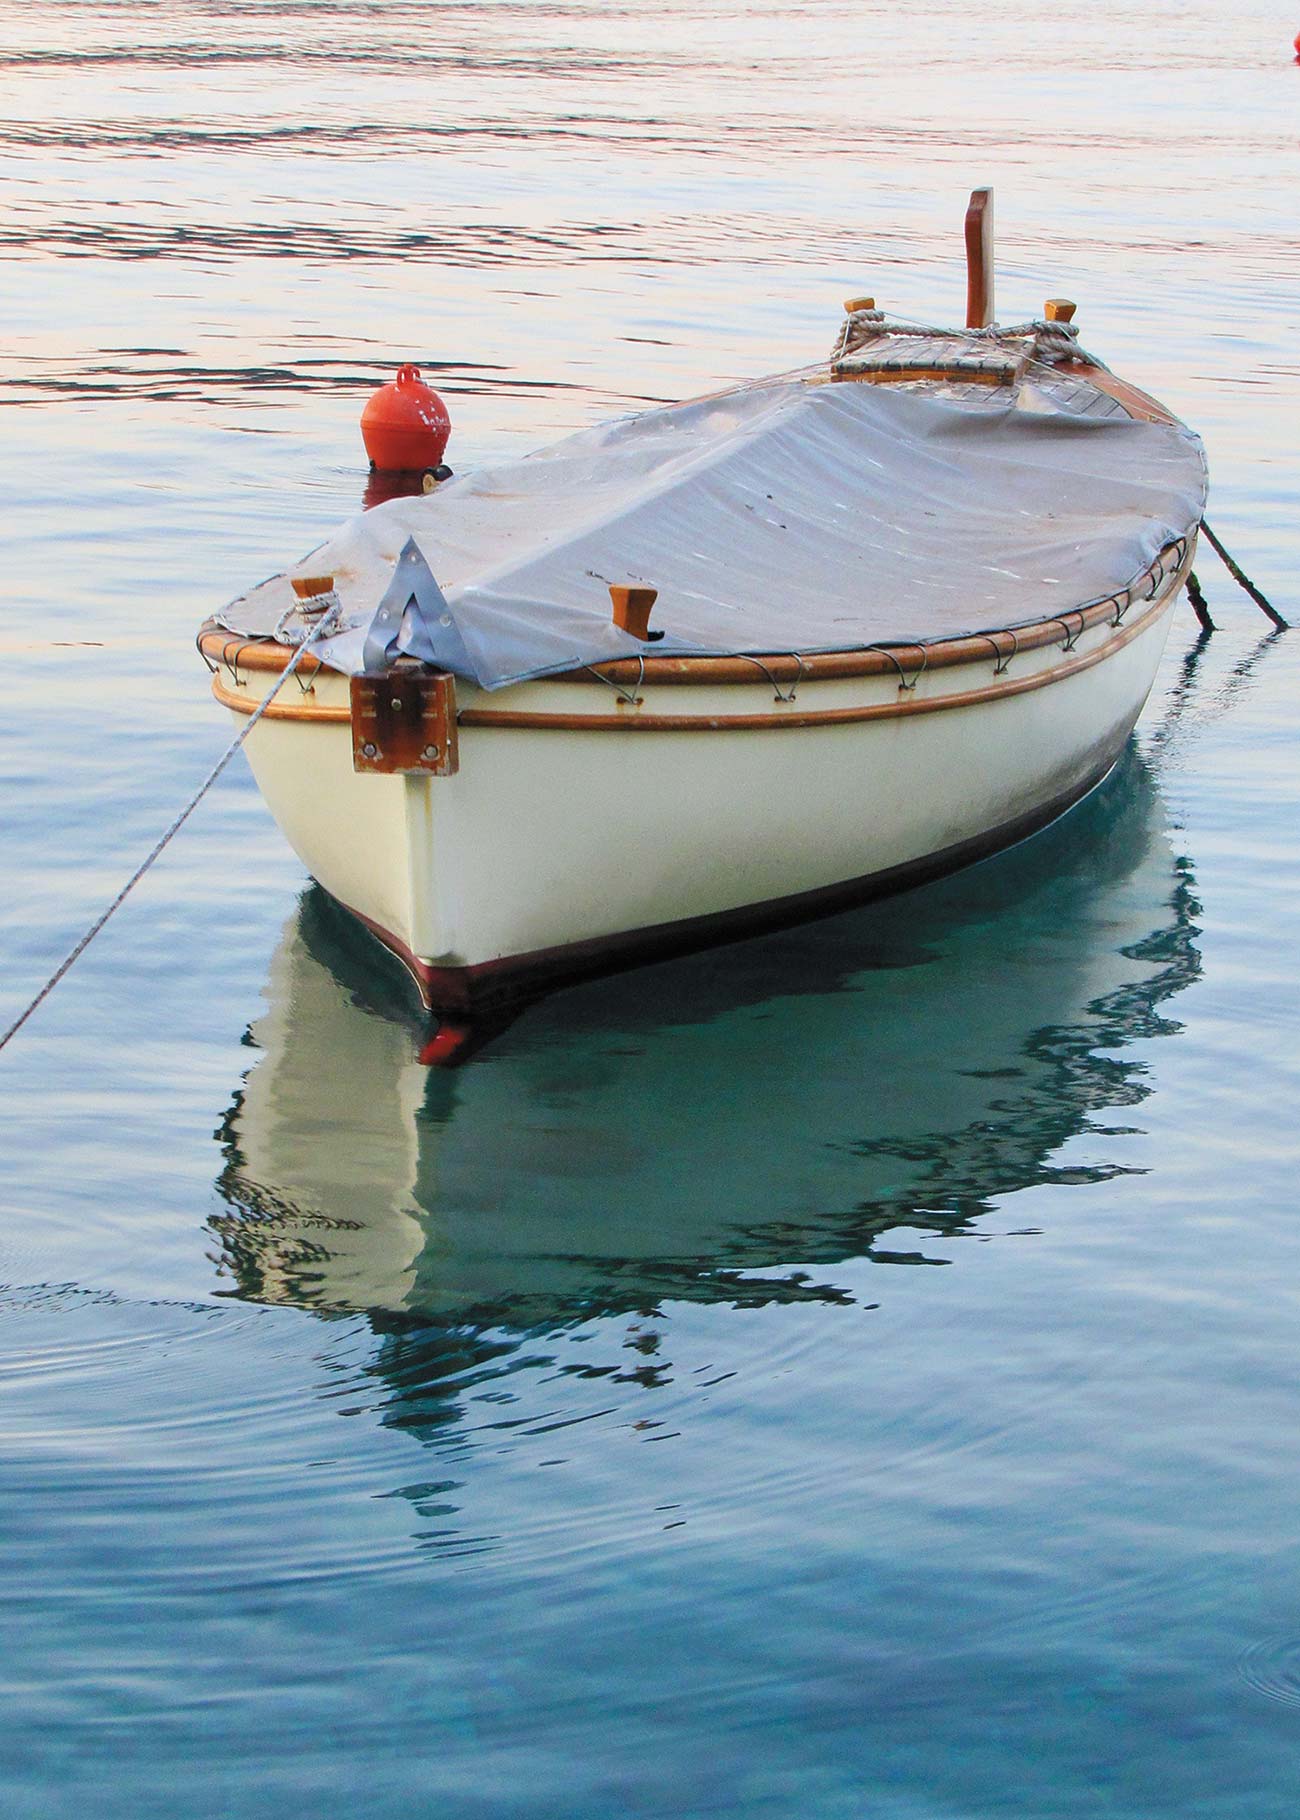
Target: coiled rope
{"type": "Point", "coordinates": [318, 630]}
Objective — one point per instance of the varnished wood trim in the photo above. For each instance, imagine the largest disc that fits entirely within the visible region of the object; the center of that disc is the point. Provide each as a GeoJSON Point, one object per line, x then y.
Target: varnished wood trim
{"type": "Point", "coordinates": [951, 375]}
{"type": "Point", "coordinates": [261, 654]}
{"type": "Point", "coordinates": [630, 721]}
{"type": "Point", "coordinates": [1136, 402]}
{"type": "Point", "coordinates": [241, 654]}
{"type": "Point", "coordinates": [243, 701]}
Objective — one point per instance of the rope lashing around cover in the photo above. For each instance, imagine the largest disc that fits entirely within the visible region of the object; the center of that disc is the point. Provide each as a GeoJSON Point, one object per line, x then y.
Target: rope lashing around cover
{"type": "Point", "coordinates": [321, 626]}
{"type": "Point", "coordinates": [1047, 342]}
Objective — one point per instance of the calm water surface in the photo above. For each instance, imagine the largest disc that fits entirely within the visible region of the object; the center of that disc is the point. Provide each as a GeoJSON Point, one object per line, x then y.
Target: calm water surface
{"type": "Point", "coordinates": [853, 1373]}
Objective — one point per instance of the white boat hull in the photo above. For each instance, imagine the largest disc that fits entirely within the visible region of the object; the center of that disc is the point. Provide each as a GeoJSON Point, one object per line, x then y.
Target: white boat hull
{"type": "Point", "coordinates": [582, 830]}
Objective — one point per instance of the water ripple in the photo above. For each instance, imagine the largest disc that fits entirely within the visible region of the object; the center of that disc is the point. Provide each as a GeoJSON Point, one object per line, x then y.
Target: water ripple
{"type": "Point", "coordinates": [208, 385]}
{"type": "Point", "coordinates": [1272, 1668]}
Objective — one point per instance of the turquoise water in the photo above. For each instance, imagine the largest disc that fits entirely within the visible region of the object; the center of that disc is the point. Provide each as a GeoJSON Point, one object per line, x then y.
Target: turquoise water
{"type": "Point", "coordinates": [850, 1373]}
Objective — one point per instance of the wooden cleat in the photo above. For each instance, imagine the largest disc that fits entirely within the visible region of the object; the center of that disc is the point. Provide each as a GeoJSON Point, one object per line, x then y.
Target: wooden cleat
{"type": "Point", "coordinates": [307, 587]}
{"type": "Point", "coordinates": [632, 610]}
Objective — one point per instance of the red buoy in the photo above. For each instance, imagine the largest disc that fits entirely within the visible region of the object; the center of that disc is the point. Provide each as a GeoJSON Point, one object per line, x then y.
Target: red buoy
{"type": "Point", "coordinates": [405, 425]}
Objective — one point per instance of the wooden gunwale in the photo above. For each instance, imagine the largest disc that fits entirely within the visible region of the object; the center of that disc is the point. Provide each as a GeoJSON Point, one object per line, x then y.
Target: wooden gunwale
{"type": "Point", "coordinates": [817, 717]}
{"type": "Point", "coordinates": [634, 722]}
{"type": "Point", "coordinates": [238, 653]}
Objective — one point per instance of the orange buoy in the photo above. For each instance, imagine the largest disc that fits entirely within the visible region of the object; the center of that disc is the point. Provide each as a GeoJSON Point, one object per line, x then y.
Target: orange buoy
{"type": "Point", "coordinates": [405, 425]}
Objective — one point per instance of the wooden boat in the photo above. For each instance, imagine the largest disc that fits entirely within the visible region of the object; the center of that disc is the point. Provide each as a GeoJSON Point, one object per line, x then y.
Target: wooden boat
{"type": "Point", "coordinates": [907, 607]}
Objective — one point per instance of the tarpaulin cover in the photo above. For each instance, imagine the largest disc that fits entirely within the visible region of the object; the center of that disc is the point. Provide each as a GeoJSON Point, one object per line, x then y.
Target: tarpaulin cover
{"type": "Point", "coordinates": [790, 516]}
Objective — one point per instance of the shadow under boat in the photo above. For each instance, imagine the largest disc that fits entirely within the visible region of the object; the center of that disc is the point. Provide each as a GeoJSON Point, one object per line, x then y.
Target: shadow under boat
{"type": "Point", "coordinates": [722, 1128]}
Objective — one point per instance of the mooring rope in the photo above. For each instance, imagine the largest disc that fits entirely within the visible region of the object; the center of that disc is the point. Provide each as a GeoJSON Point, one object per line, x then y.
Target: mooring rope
{"type": "Point", "coordinates": [1200, 606]}
{"type": "Point", "coordinates": [1243, 580]}
{"type": "Point", "coordinates": [172, 830]}
{"type": "Point", "coordinates": [1037, 343]}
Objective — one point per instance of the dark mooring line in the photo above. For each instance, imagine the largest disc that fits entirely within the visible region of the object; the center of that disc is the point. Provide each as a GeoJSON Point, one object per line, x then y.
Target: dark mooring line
{"type": "Point", "coordinates": [1200, 605]}
{"type": "Point", "coordinates": [1242, 580]}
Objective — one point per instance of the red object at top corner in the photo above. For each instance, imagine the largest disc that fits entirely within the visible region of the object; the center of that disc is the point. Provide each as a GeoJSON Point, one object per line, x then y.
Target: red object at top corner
{"type": "Point", "coordinates": [405, 424]}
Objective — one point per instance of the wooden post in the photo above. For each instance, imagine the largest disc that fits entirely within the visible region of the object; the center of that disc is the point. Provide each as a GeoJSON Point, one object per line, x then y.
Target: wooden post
{"type": "Point", "coordinates": [1059, 309]}
{"type": "Point", "coordinates": [979, 260]}
{"type": "Point", "coordinates": [632, 610]}
{"type": "Point", "coordinates": [307, 587]}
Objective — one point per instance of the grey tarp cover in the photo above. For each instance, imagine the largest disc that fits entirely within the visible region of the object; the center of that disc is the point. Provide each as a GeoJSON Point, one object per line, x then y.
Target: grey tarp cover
{"type": "Point", "coordinates": [786, 516]}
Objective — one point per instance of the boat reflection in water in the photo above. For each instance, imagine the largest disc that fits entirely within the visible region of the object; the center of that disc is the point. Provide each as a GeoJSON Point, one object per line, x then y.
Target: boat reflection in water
{"type": "Point", "coordinates": [724, 1128]}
